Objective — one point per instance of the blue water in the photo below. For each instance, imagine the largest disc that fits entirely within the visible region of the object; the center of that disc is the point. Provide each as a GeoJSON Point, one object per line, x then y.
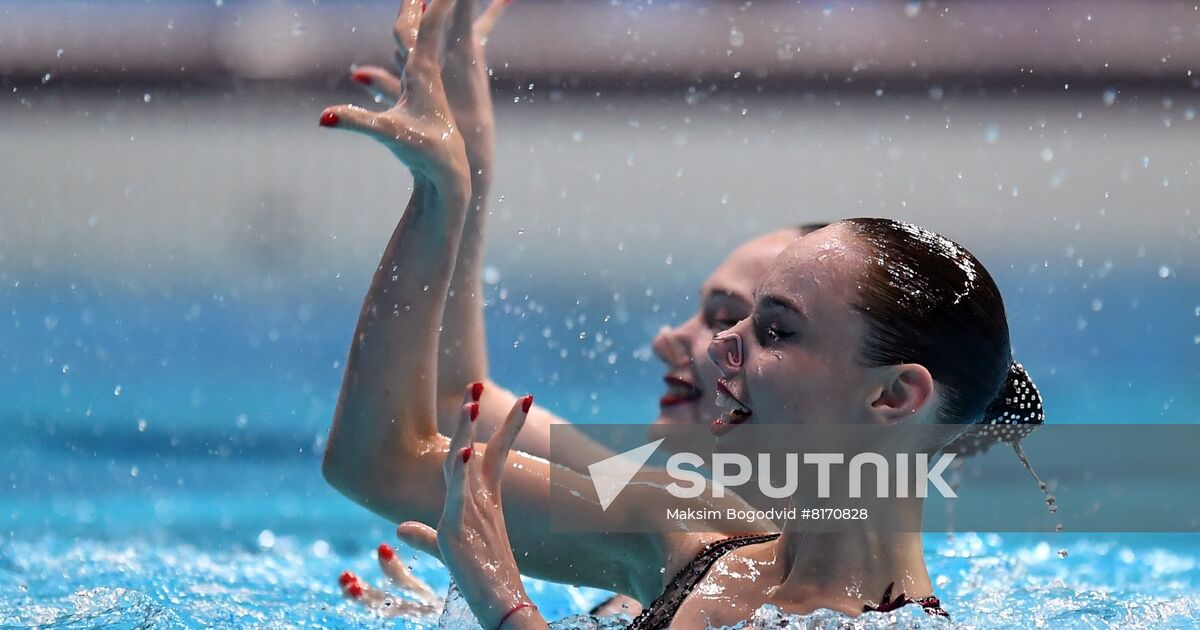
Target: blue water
{"type": "Point", "coordinates": [161, 441]}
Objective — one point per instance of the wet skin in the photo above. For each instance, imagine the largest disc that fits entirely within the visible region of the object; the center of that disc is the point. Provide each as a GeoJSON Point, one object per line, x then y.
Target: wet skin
{"type": "Point", "coordinates": [726, 297]}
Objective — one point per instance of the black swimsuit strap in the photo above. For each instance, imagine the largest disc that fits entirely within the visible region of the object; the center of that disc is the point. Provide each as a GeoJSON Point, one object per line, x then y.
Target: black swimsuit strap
{"type": "Point", "coordinates": [659, 614]}
{"type": "Point", "coordinates": [932, 605]}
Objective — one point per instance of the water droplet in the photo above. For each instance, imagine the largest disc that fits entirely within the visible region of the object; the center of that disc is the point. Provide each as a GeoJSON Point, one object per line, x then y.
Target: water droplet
{"type": "Point", "coordinates": [936, 93]}
{"type": "Point", "coordinates": [577, 136]}
{"type": "Point", "coordinates": [1109, 97]}
{"type": "Point", "coordinates": [266, 539]}
{"type": "Point", "coordinates": [991, 133]}
{"type": "Point", "coordinates": [298, 29]}
{"type": "Point", "coordinates": [736, 37]}
{"type": "Point", "coordinates": [1047, 154]}
{"type": "Point", "coordinates": [1164, 272]}
{"type": "Point", "coordinates": [1062, 553]}
{"type": "Point", "coordinates": [142, 424]}
{"type": "Point", "coordinates": [66, 369]}
{"type": "Point", "coordinates": [912, 9]}
{"type": "Point", "coordinates": [219, 3]}
{"type": "Point", "coordinates": [117, 390]}
{"type": "Point", "coordinates": [58, 53]}
{"type": "Point", "coordinates": [146, 97]}
{"type": "Point", "coordinates": [1097, 304]}
{"type": "Point", "coordinates": [46, 78]}
{"type": "Point", "coordinates": [521, 232]}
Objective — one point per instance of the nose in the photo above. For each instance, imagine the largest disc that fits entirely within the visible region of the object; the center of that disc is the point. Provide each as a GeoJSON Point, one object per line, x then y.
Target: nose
{"type": "Point", "coordinates": [668, 345]}
{"type": "Point", "coordinates": [727, 351]}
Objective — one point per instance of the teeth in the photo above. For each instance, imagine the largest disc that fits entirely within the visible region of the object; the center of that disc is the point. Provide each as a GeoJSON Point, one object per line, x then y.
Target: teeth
{"type": "Point", "coordinates": [734, 417]}
{"type": "Point", "coordinates": [726, 401]}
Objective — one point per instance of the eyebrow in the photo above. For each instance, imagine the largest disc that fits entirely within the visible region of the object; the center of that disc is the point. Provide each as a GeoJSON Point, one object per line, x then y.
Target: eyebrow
{"type": "Point", "coordinates": [778, 301]}
{"type": "Point", "coordinates": [726, 293]}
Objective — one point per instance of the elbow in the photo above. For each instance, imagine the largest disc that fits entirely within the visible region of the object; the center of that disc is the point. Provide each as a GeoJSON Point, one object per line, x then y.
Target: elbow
{"type": "Point", "coordinates": [374, 483]}
{"type": "Point", "coordinates": [354, 480]}
{"type": "Point", "coordinates": [339, 475]}
{"type": "Point", "coordinates": [347, 472]}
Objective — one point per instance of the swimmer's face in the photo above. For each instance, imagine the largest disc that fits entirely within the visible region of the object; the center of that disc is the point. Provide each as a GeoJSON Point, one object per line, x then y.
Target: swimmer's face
{"type": "Point", "coordinates": [725, 299]}
{"type": "Point", "coordinates": [796, 358]}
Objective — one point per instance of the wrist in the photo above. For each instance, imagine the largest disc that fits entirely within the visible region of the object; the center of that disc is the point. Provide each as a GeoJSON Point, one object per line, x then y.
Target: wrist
{"type": "Point", "coordinates": [522, 615]}
{"type": "Point", "coordinates": [451, 185]}
{"type": "Point", "coordinates": [500, 604]}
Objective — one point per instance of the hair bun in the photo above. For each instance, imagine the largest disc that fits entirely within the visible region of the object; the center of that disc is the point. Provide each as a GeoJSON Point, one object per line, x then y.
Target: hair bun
{"type": "Point", "coordinates": [1013, 414]}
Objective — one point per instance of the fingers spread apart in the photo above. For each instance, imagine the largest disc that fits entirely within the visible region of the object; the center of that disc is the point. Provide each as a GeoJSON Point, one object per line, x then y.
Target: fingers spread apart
{"type": "Point", "coordinates": [382, 84]}
{"type": "Point", "coordinates": [499, 446]}
{"type": "Point", "coordinates": [489, 17]}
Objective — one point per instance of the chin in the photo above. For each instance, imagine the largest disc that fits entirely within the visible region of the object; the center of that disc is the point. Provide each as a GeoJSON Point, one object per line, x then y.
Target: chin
{"type": "Point", "coordinates": [676, 417]}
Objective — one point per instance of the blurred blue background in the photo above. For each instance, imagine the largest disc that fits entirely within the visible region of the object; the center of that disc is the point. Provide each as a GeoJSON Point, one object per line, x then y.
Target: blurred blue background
{"type": "Point", "coordinates": [183, 252]}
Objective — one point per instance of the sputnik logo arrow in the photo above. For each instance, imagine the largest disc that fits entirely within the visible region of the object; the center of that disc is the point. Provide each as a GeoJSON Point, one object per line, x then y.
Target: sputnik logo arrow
{"type": "Point", "coordinates": [610, 476]}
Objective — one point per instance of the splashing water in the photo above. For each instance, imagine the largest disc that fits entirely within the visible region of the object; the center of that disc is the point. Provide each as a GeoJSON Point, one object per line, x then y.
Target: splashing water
{"type": "Point", "coordinates": [984, 581]}
{"type": "Point", "coordinates": [1051, 502]}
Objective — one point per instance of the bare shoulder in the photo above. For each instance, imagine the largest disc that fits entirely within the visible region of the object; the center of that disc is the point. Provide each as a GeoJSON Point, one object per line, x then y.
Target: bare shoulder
{"type": "Point", "coordinates": [682, 528]}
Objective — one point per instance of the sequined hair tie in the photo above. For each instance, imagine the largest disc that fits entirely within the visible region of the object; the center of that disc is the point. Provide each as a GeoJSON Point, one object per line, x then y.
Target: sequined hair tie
{"type": "Point", "coordinates": [1016, 411]}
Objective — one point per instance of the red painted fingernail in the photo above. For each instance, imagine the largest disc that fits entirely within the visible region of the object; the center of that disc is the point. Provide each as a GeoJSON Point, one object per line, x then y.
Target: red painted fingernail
{"type": "Point", "coordinates": [476, 390]}
{"type": "Point", "coordinates": [526, 403]}
{"type": "Point", "coordinates": [386, 553]}
{"type": "Point", "coordinates": [423, 6]}
{"type": "Point", "coordinates": [466, 454]}
{"type": "Point", "coordinates": [361, 77]}
{"type": "Point", "coordinates": [347, 578]}
{"type": "Point", "coordinates": [474, 409]}
{"type": "Point", "coordinates": [355, 590]}
{"type": "Point", "coordinates": [328, 119]}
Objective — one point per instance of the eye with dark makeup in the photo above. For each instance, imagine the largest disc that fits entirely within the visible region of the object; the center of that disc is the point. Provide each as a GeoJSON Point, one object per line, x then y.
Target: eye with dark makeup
{"type": "Point", "coordinates": [768, 331]}
{"type": "Point", "coordinates": [723, 311]}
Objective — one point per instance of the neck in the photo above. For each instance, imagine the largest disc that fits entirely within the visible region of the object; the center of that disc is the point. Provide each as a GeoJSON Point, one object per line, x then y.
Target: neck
{"type": "Point", "coordinates": [848, 568]}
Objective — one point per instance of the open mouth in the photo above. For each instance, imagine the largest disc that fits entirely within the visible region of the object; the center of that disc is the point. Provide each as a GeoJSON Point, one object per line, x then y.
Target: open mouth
{"type": "Point", "coordinates": [679, 392]}
{"type": "Point", "coordinates": [735, 412]}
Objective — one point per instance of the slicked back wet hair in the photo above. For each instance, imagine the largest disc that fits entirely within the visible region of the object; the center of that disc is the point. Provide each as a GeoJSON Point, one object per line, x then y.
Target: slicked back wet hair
{"type": "Point", "coordinates": [808, 228]}
{"type": "Point", "coordinates": [928, 300]}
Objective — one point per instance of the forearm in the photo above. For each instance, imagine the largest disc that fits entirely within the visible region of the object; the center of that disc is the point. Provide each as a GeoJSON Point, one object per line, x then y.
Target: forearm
{"type": "Point", "coordinates": [386, 407]}
{"type": "Point", "coordinates": [462, 349]}
{"type": "Point", "coordinates": [597, 556]}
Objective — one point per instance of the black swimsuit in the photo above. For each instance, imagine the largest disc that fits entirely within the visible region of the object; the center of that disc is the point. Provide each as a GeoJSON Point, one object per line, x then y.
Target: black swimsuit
{"type": "Point", "coordinates": [659, 614]}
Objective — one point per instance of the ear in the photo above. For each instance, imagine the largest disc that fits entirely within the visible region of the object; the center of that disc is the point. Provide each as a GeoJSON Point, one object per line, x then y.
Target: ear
{"type": "Point", "coordinates": [906, 392]}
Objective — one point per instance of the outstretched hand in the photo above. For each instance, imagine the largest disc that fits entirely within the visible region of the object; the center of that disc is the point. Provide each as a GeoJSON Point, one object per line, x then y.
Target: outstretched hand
{"type": "Point", "coordinates": [471, 538]}
{"type": "Point", "coordinates": [419, 127]}
{"type": "Point", "coordinates": [464, 77]}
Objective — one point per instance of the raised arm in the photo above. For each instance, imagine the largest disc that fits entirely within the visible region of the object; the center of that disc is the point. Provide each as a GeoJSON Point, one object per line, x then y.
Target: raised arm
{"type": "Point", "coordinates": [391, 373]}
{"type": "Point", "coordinates": [462, 344]}
{"type": "Point", "coordinates": [385, 418]}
